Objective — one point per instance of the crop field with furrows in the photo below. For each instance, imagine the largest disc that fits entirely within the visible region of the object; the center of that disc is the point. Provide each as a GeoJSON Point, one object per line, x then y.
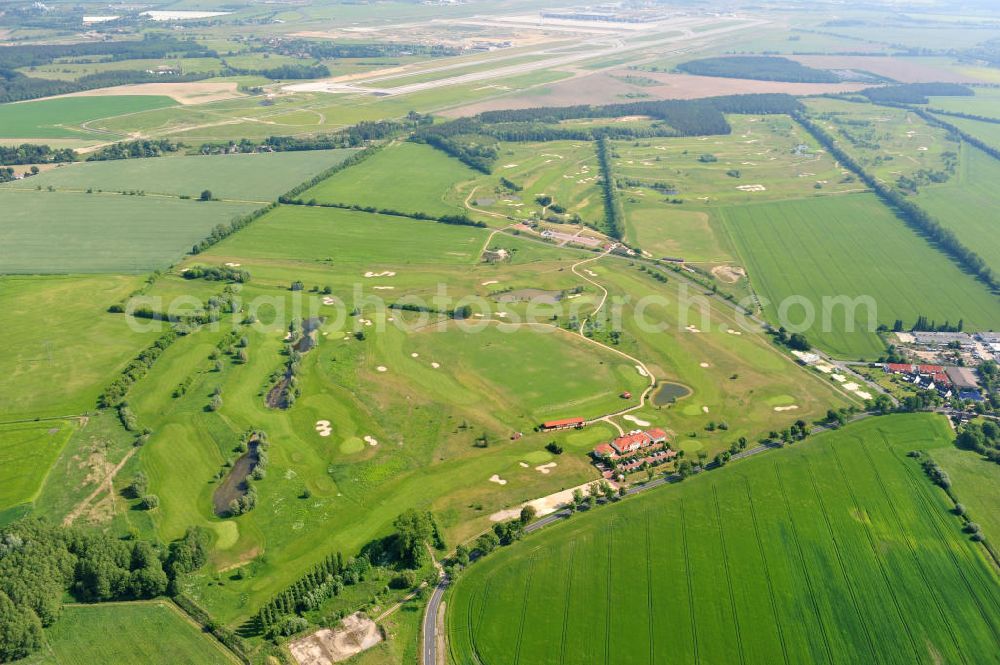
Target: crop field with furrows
{"type": "Point", "coordinates": [122, 633]}
{"type": "Point", "coordinates": [69, 117]}
{"type": "Point", "coordinates": [68, 232]}
{"type": "Point", "coordinates": [251, 177]}
{"type": "Point", "coordinates": [851, 247]}
{"type": "Point", "coordinates": [841, 552]}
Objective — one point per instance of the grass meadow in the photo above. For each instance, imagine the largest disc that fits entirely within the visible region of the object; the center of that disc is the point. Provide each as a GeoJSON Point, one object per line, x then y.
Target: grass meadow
{"type": "Point", "coordinates": [403, 176]}
{"type": "Point", "coordinates": [65, 117]}
{"type": "Point", "coordinates": [977, 485]}
{"type": "Point", "coordinates": [27, 452]}
{"type": "Point", "coordinates": [121, 633]}
{"type": "Point", "coordinates": [836, 551]}
{"type": "Point", "coordinates": [852, 246]}
{"type": "Point", "coordinates": [988, 132]}
{"type": "Point", "coordinates": [984, 103]}
{"type": "Point", "coordinates": [63, 232]}
{"type": "Point", "coordinates": [255, 177]}
{"type": "Point", "coordinates": [59, 326]}
{"type": "Point", "coordinates": [967, 203]}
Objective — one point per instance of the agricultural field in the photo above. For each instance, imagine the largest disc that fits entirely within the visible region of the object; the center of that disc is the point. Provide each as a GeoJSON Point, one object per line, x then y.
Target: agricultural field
{"type": "Point", "coordinates": [27, 452]}
{"type": "Point", "coordinates": [966, 204]}
{"type": "Point", "coordinates": [851, 246]}
{"type": "Point", "coordinates": [984, 103]}
{"type": "Point", "coordinates": [759, 562]}
{"type": "Point", "coordinates": [121, 633]}
{"type": "Point", "coordinates": [103, 233]}
{"type": "Point", "coordinates": [59, 326]}
{"type": "Point", "coordinates": [888, 142]}
{"type": "Point", "coordinates": [247, 177]}
{"type": "Point", "coordinates": [987, 132]}
{"type": "Point", "coordinates": [567, 172]}
{"type": "Point", "coordinates": [69, 117]}
{"type": "Point", "coordinates": [404, 176]}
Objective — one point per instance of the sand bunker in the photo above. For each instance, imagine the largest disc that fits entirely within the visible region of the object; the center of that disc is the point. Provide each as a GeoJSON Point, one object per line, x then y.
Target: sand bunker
{"type": "Point", "coordinates": [232, 265]}
{"type": "Point", "coordinates": [492, 281]}
{"type": "Point", "coordinates": [381, 368]}
{"type": "Point", "coordinates": [355, 634]}
{"type": "Point", "coordinates": [545, 468]}
{"type": "Point", "coordinates": [371, 440]}
{"type": "Point", "coordinates": [786, 408]}
{"type": "Point", "coordinates": [383, 288]}
{"type": "Point", "coordinates": [704, 409]}
{"type": "Point", "coordinates": [692, 328]}
{"type": "Point", "coordinates": [733, 332]}
{"type": "Point", "coordinates": [590, 272]}
{"type": "Point", "coordinates": [826, 369]}
{"type": "Point", "coordinates": [386, 273]}
{"type": "Point", "coordinates": [323, 428]}
{"type": "Point", "coordinates": [862, 394]}
{"type": "Point", "coordinates": [637, 421]}
{"type": "Point", "coordinates": [435, 365]}
{"type": "Point", "coordinates": [414, 355]}
{"type": "Point", "coordinates": [642, 372]}
{"type": "Point", "coordinates": [327, 300]}
{"type": "Point", "coordinates": [524, 465]}
{"type": "Point", "coordinates": [497, 479]}
{"type": "Point", "coordinates": [839, 378]}
{"type": "Point", "coordinates": [729, 274]}
{"type": "Point", "coordinates": [703, 365]}
{"type": "Point", "coordinates": [851, 386]}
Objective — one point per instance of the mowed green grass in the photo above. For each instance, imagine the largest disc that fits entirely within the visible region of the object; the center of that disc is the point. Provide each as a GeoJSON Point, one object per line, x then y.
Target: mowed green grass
{"type": "Point", "coordinates": [836, 551]}
{"type": "Point", "coordinates": [123, 633]}
{"type": "Point", "coordinates": [967, 204]}
{"type": "Point", "coordinates": [27, 452]}
{"type": "Point", "coordinates": [61, 347]}
{"type": "Point", "coordinates": [62, 117]}
{"type": "Point", "coordinates": [254, 177]}
{"type": "Point", "coordinates": [403, 176]}
{"type": "Point", "coordinates": [984, 103]}
{"type": "Point", "coordinates": [988, 132]}
{"type": "Point", "coordinates": [337, 237]}
{"type": "Point", "coordinates": [61, 232]}
{"type": "Point", "coordinates": [977, 486]}
{"type": "Point", "coordinates": [851, 246]}
{"type": "Point", "coordinates": [667, 231]}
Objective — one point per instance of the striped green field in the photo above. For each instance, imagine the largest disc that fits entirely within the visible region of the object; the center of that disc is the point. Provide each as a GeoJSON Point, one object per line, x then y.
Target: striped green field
{"type": "Point", "coordinates": [255, 177]}
{"type": "Point", "coordinates": [27, 451]}
{"type": "Point", "coordinates": [123, 633]}
{"type": "Point", "coordinates": [66, 117]}
{"type": "Point", "coordinates": [967, 204]}
{"type": "Point", "coordinates": [836, 551]}
{"type": "Point", "coordinates": [807, 250]}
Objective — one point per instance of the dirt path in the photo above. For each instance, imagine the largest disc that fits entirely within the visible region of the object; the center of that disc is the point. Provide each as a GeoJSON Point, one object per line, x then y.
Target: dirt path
{"type": "Point", "coordinates": [106, 484]}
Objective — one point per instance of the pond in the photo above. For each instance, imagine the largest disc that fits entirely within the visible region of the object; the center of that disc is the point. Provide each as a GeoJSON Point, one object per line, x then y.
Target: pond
{"type": "Point", "coordinates": [235, 485]}
{"type": "Point", "coordinates": [668, 393]}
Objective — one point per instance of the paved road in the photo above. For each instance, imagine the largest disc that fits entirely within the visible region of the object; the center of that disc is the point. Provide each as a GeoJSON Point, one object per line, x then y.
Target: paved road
{"type": "Point", "coordinates": [430, 621]}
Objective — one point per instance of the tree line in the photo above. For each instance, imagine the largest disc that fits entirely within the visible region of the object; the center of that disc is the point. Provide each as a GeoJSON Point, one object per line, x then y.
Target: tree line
{"type": "Point", "coordinates": [906, 210]}
{"type": "Point", "coordinates": [614, 213]}
{"type": "Point", "coordinates": [135, 150]}
{"type": "Point", "coordinates": [137, 368]}
{"type": "Point", "coordinates": [31, 153]}
{"type": "Point", "coordinates": [41, 562]}
{"type": "Point", "coordinates": [223, 231]}
{"type": "Point", "coordinates": [915, 93]}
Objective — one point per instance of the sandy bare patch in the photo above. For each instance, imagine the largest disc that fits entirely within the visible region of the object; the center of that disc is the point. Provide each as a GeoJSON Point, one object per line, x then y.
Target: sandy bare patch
{"type": "Point", "coordinates": [638, 421]}
{"type": "Point", "coordinates": [497, 479]}
{"type": "Point", "coordinates": [826, 369]}
{"type": "Point", "coordinates": [355, 634]}
{"type": "Point", "coordinates": [839, 378]}
{"type": "Point", "coordinates": [546, 505]}
{"type": "Point", "coordinates": [729, 274]}
{"type": "Point", "coordinates": [791, 407]}
{"type": "Point", "coordinates": [546, 468]}
{"type": "Point", "coordinates": [194, 92]}
{"type": "Point", "coordinates": [851, 386]}
{"type": "Point", "coordinates": [904, 70]}
{"type": "Point", "coordinates": [863, 394]}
